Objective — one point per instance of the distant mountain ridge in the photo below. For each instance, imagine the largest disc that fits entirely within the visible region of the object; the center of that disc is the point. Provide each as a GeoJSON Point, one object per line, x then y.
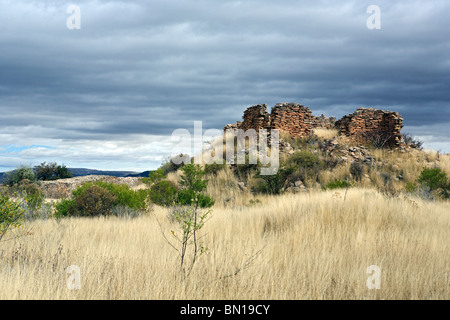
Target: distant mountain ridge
{"type": "Point", "coordinates": [79, 172]}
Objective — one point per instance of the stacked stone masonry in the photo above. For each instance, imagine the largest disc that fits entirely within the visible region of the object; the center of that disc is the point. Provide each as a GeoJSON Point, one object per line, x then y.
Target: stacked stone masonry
{"type": "Point", "coordinates": [365, 124]}
{"type": "Point", "coordinates": [373, 125]}
{"type": "Point", "coordinates": [292, 118]}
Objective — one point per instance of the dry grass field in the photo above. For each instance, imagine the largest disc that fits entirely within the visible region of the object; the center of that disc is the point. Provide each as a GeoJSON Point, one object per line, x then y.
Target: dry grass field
{"type": "Point", "coordinates": [308, 245]}
{"type": "Point", "coordinates": [315, 245]}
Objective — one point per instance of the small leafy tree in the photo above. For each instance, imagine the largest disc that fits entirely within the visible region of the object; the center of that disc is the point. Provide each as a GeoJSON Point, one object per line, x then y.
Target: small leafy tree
{"type": "Point", "coordinates": [154, 177]}
{"type": "Point", "coordinates": [191, 215]}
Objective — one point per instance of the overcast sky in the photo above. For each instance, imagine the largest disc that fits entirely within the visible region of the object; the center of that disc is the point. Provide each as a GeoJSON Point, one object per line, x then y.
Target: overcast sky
{"type": "Point", "coordinates": [109, 95]}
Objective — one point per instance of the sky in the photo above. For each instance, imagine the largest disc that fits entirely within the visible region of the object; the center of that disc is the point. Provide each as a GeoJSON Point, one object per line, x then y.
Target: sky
{"type": "Point", "coordinates": [106, 86]}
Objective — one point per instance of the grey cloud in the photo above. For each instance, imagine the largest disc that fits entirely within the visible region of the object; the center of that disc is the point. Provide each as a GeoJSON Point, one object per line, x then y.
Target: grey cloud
{"type": "Point", "coordinates": [147, 67]}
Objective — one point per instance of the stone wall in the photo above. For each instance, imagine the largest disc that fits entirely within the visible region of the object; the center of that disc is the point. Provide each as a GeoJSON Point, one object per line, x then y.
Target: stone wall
{"type": "Point", "coordinates": [292, 118]}
{"type": "Point", "coordinates": [323, 122]}
{"type": "Point", "coordinates": [379, 127]}
{"type": "Point", "coordinates": [255, 117]}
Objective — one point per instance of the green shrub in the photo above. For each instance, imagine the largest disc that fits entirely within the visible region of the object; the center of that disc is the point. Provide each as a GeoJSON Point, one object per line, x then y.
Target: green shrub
{"type": "Point", "coordinates": [163, 193]}
{"type": "Point", "coordinates": [100, 198]}
{"type": "Point", "coordinates": [274, 183]}
{"type": "Point", "coordinates": [188, 197]}
{"type": "Point", "coordinates": [436, 180]}
{"type": "Point", "coordinates": [170, 166]}
{"type": "Point", "coordinates": [356, 170]}
{"type": "Point", "coordinates": [31, 193]}
{"type": "Point", "coordinates": [214, 168]}
{"type": "Point", "coordinates": [410, 187]}
{"type": "Point", "coordinates": [337, 184]}
{"type": "Point", "coordinates": [11, 214]}
{"type": "Point", "coordinates": [307, 165]}
{"type": "Point", "coordinates": [154, 177]}
{"type": "Point", "coordinates": [123, 194]}
{"type": "Point", "coordinates": [51, 171]}
{"type": "Point", "coordinates": [192, 178]}
{"type": "Point", "coordinates": [95, 201]}
{"type": "Point", "coordinates": [306, 159]}
{"type": "Point", "coordinates": [22, 173]}
{"type": "Point", "coordinates": [65, 208]}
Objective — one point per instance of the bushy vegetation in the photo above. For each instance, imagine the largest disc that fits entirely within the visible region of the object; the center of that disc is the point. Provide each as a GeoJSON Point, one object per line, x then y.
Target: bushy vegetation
{"type": "Point", "coordinates": [337, 184]}
{"type": "Point", "coordinates": [411, 141]}
{"type": "Point", "coordinates": [436, 180]}
{"type": "Point", "coordinates": [214, 168]}
{"type": "Point", "coordinates": [191, 190]}
{"type": "Point", "coordinates": [51, 171]}
{"type": "Point", "coordinates": [21, 173]}
{"type": "Point", "coordinates": [100, 198]}
{"type": "Point", "coordinates": [42, 172]}
{"type": "Point", "coordinates": [163, 193]}
{"type": "Point", "coordinates": [11, 214]}
{"type": "Point", "coordinates": [274, 183]}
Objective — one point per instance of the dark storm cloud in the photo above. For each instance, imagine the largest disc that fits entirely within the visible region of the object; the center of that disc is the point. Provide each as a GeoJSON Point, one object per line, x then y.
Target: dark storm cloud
{"type": "Point", "coordinates": [149, 67]}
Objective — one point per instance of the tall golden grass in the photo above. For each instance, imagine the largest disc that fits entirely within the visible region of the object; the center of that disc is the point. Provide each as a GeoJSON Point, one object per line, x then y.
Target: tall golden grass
{"type": "Point", "coordinates": [314, 245]}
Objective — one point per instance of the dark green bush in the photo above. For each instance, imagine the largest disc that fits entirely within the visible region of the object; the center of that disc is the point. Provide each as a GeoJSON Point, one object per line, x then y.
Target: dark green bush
{"type": "Point", "coordinates": [337, 184]}
{"type": "Point", "coordinates": [436, 180]}
{"type": "Point", "coordinates": [188, 197]}
{"type": "Point", "coordinates": [65, 208]}
{"type": "Point", "coordinates": [163, 193]}
{"type": "Point", "coordinates": [95, 201]}
{"type": "Point", "coordinates": [274, 183]}
{"type": "Point", "coordinates": [51, 171]}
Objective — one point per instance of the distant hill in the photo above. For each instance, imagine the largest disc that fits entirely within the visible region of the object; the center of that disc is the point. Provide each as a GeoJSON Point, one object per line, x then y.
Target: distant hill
{"type": "Point", "coordinates": [142, 174]}
{"type": "Point", "coordinates": [79, 172]}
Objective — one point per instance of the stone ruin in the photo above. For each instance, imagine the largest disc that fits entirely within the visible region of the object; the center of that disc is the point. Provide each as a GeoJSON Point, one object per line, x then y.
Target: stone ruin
{"type": "Point", "coordinates": [379, 127]}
